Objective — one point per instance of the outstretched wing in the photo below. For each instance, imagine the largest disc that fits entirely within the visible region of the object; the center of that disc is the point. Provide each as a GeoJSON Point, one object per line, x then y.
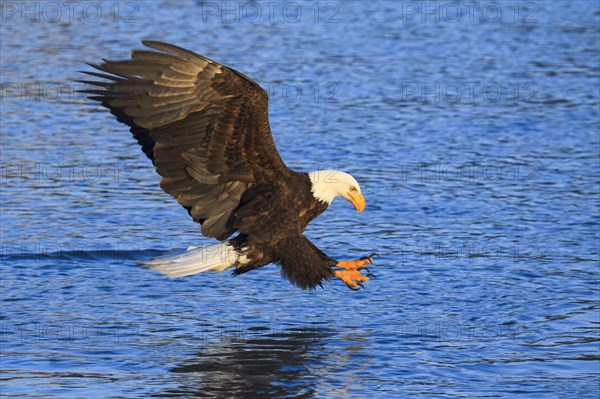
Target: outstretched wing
{"type": "Point", "coordinates": [204, 126]}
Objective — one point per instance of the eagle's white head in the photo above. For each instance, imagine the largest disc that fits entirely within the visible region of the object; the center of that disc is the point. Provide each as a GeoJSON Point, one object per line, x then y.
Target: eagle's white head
{"type": "Point", "coordinates": [328, 184]}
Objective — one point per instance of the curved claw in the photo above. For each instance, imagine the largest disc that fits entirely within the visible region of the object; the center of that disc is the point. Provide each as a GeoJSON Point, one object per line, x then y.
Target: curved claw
{"type": "Point", "coordinates": [371, 257]}
{"type": "Point", "coordinates": [351, 273]}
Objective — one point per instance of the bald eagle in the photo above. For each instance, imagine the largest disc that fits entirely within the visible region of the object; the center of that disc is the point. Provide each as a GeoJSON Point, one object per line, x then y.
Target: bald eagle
{"type": "Point", "coordinates": [205, 127]}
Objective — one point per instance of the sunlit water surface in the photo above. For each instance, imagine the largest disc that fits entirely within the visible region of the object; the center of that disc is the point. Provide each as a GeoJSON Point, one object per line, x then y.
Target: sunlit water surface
{"type": "Point", "coordinates": [483, 205]}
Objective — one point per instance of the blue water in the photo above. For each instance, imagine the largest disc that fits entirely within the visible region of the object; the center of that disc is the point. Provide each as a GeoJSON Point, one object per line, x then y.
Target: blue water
{"type": "Point", "coordinates": [474, 135]}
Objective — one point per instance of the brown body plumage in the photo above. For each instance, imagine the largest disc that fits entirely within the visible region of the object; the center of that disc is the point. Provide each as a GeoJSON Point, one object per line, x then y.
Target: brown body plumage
{"type": "Point", "coordinates": [206, 129]}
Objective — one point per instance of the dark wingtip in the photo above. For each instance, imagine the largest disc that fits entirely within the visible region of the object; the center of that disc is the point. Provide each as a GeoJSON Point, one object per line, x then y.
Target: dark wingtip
{"type": "Point", "coordinates": [173, 49]}
{"type": "Point", "coordinates": [150, 42]}
{"type": "Point", "coordinates": [93, 83]}
{"type": "Point", "coordinates": [96, 92]}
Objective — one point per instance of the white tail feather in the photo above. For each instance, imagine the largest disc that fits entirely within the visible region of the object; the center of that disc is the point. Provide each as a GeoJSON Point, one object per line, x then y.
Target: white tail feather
{"type": "Point", "coordinates": [216, 257]}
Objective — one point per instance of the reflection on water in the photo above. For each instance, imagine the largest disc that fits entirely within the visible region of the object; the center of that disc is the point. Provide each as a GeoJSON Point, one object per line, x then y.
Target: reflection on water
{"type": "Point", "coordinates": [282, 364]}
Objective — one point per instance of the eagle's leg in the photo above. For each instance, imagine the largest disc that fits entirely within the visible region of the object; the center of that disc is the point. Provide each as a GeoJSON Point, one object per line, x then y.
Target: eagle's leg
{"type": "Point", "coordinates": [351, 275]}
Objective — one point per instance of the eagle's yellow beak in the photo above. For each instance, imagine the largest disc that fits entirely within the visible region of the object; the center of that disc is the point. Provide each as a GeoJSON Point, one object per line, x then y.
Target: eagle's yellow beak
{"type": "Point", "coordinates": [357, 200]}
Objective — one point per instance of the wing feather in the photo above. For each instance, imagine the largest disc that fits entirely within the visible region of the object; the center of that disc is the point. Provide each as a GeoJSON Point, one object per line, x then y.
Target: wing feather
{"type": "Point", "coordinates": [205, 127]}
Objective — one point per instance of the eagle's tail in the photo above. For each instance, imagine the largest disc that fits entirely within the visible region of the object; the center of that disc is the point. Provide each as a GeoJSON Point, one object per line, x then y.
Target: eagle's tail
{"type": "Point", "coordinates": [216, 257]}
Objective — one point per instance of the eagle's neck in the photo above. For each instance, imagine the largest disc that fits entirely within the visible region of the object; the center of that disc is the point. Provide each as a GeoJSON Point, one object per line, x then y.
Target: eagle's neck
{"type": "Point", "coordinates": [323, 185]}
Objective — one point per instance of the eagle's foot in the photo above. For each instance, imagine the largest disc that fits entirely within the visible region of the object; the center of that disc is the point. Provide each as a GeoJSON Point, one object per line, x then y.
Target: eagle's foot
{"type": "Point", "coordinates": [352, 278]}
{"type": "Point", "coordinates": [357, 264]}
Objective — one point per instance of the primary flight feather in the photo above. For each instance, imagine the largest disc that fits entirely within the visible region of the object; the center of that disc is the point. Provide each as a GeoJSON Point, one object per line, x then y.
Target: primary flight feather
{"type": "Point", "coordinates": [206, 129]}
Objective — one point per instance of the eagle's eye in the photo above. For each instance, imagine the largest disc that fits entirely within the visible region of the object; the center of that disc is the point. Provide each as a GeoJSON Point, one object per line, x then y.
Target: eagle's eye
{"type": "Point", "coordinates": [352, 188]}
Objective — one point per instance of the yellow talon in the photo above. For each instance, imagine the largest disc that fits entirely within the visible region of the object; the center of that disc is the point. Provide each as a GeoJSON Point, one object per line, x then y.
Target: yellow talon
{"type": "Point", "coordinates": [351, 278]}
{"type": "Point", "coordinates": [354, 264]}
